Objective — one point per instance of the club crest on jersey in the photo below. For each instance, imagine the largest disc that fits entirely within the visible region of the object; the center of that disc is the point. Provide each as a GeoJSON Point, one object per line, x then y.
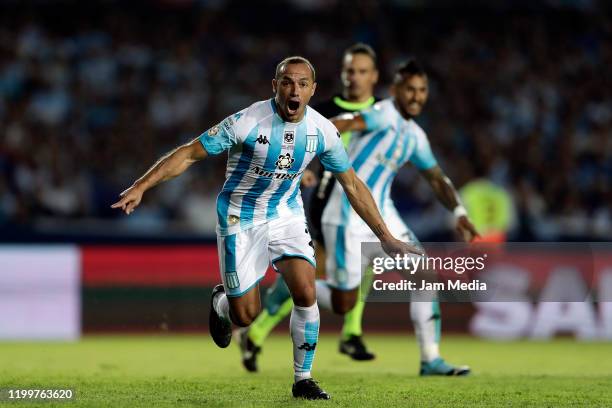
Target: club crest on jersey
{"type": "Point", "coordinates": [284, 161]}
{"type": "Point", "coordinates": [312, 142]}
{"type": "Point", "coordinates": [289, 137]}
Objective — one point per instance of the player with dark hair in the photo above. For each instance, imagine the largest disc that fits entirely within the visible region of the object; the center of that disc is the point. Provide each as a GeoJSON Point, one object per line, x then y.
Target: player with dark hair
{"type": "Point", "coordinates": [260, 216]}
{"type": "Point", "coordinates": [389, 139]}
{"type": "Point", "coordinates": [359, 76]}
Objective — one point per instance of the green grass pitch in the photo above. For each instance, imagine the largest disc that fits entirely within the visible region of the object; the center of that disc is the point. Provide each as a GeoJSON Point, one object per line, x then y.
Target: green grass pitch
{"type": "Point", "coordinates": [173, 371]}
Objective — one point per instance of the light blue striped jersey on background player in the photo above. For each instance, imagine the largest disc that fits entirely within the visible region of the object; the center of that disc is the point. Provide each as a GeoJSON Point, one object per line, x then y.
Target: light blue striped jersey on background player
{"type": "Point", "coordinates": [266, 159]}
{"type": "Point", "coordinates": [376, 154]}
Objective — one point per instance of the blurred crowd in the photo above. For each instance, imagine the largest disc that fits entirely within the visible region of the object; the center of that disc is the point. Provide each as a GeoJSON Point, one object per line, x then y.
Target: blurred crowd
{"type": "Point", "coordinates": [90, 97]}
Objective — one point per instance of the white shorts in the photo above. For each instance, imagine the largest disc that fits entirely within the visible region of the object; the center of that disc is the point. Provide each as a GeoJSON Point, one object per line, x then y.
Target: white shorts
{"type": "Point", "coordinates": [244, 257]}
{"type": "Point", "coordinates": [343, 247]}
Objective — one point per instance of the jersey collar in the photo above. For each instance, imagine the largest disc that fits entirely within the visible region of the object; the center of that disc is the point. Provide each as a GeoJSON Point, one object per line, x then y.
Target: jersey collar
{"type": "Point", "coordinates": [354, 106]}
{"type": "Point", "coordinates": [275, 110]}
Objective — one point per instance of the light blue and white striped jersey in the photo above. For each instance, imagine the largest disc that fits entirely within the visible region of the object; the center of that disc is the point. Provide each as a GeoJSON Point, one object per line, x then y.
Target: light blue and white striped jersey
{"type": "Point", "coordinates": [267, 157]}
{"type": "Point", "coordinates": [376, 154]}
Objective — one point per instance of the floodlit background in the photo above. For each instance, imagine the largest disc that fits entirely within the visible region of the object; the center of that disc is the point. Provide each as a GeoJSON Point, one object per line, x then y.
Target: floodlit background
{"type": "Point", "coordinates": [116, 307]}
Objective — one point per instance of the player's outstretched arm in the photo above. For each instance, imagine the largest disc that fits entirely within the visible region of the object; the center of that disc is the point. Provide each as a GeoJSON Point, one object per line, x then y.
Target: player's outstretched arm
{"type": "Point", "coordinates": [349, 122]}
{"type": "Point", "coordinates": [169, 166]}
{"type": "Point", "coordinates": [449, 197]}
{"type": "Point", "coordinates": [362, 201]}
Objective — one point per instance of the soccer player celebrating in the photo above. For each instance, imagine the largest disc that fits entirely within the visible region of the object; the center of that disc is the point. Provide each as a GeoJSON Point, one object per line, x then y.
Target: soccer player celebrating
{"type": "Point", "coordinates": [260, 210]}
{"type": "Point", "coordinates": [390, 138]}
{"type": "Point", "coordinates": [359, 76]}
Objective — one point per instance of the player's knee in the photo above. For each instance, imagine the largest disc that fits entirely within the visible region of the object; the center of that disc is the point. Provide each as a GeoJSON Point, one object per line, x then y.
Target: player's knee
{"type": "Point", "coordinates": [305, 297]}
{"type": "Point", "coordinates": [343, 302]}
{"type": "Point", "coordinates": [242, 320]}
{"type": "Point", "coordinates": [245, 316]}
{"type": "Point", "coordinates": [342, 308]}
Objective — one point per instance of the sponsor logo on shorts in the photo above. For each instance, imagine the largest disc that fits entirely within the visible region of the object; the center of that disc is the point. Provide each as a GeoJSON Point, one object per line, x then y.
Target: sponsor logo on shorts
{"type": "Point", "coordinates": [341, 275]}
{"type": "Point", "coordinates": [231, 280]}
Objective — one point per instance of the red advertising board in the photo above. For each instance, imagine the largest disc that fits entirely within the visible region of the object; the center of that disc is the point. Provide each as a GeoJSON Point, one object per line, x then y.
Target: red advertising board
{"type": "Point", "coordinates": [164, 266]}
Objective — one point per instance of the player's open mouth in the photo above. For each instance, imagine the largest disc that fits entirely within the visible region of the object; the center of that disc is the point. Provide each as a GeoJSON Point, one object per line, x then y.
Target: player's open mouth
{"type": "Point", "coordinates": [293, 106]}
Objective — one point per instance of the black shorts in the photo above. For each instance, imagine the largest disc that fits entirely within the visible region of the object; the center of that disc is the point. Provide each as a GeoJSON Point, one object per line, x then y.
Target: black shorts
{"type": "Point", "coordinates": [318, 201]}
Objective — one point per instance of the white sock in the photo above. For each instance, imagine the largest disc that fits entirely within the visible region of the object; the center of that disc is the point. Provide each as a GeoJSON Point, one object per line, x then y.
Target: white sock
{"type": "Point", "coordinates": [221, 306]}
{"type": "Point", "coordinates": [324, 294]}
{"type": "Point", "coordinates": [426, 320]}
{"type": "Point", "coordinates": [304, 327]}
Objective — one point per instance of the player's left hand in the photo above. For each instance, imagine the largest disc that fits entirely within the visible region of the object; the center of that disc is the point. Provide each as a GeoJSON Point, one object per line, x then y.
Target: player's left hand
{"type": "Point", "coordinates": [309, 179]}
{"type": "Point", "coordinates": [466, 229]}
{"type": "Point", "coordinates": [396, 247]}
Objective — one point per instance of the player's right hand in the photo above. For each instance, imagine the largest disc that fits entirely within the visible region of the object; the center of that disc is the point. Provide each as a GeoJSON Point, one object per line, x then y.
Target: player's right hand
{"type": "Point", "coordinates": [309, 179]}
{"type": "Point", "coordinates": [466, 229]}
{"type": "Point", "coordinates": [130, 199]}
